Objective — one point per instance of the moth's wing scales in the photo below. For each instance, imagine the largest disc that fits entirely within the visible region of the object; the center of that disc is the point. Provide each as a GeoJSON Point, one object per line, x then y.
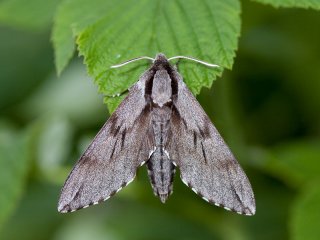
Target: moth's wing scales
{"type": "Point", "coordinates": [111, 160]}
{"type": "Point", "coordinates": [206, 163]}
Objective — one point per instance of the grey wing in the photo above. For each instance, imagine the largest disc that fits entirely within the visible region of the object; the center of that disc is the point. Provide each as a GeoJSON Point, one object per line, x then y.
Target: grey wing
{"type": "Point", "coordinates": [206, 163]}
{"type": "Point", "coordinates": [111, 160]}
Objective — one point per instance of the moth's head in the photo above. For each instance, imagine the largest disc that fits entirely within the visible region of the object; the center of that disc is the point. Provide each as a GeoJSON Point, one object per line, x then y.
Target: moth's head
{"type": "Point", "coordinates": [160, 57]}
{"type": "Point", "coordinates": [160, 62]}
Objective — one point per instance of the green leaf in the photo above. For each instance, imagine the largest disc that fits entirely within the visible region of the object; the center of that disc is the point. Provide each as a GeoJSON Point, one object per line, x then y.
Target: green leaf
{"type": "Point", "coordinates": [207, 30]}
{"type": "Point", "coordinates": [61, 96]}
{"type": "Point", "coordinates": [297, 163]}
{"type": "Point", "coordinates": [306, 214]}
{"type": "Point", "coordinates": [73, 16]}
{"type": "Point", "coordinates": [14, 164]}
{"type": "Point", "coordinates": [31, 14]}
{"type": "Point", "coordinates": [113, 102]}
{"type": "Point", "coordinates": [315, 4]}
{"type": "Point", "coordinates": [36, 216]}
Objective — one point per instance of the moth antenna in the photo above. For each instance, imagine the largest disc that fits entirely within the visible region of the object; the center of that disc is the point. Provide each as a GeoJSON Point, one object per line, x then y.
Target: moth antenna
{"type": "Point", "coordinates": [132, 60]}
{"type": "Point", "coordinates": [194, 59]}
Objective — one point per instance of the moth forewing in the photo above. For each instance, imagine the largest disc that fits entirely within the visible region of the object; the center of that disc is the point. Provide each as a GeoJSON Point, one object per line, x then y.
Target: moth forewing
{"type": "Point", "coordinates": [111, 160]}
{"type": "Point", "coordinates": [161, 123]}
{"type": "Point", "coordinates": [206, 163]}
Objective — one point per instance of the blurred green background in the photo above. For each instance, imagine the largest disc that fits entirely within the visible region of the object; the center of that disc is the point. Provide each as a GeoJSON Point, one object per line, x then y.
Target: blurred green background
{"type": "Point", "coordinates": [266, 108]}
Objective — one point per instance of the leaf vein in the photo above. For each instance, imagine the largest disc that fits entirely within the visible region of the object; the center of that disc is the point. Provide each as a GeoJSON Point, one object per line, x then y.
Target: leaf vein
{"type": "Point", "coordinates": [216, 28]}
{"type": "Point", "coordinates": [195, 36]}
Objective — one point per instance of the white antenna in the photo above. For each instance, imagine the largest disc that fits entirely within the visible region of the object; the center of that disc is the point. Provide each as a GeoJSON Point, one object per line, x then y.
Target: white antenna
{"type": "Point", "coordinates": [132, 60]}
{"type": "Point", "coordinates": [169, 59]}
{"type": "Point", "coordinates": [194, 59]}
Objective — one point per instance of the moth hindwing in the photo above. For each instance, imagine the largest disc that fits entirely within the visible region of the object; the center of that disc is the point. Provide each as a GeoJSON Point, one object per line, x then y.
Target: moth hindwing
{"type": "Point", "coordinates": [159, 123]}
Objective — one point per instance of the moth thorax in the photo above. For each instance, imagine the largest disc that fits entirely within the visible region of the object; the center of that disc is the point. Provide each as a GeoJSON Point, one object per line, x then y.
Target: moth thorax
{"type": "Point", "coordinates": [161, 88]}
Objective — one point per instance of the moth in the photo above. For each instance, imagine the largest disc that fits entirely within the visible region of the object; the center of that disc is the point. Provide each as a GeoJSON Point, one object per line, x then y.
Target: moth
{"type": "Point", "coordinates": [160, 124]}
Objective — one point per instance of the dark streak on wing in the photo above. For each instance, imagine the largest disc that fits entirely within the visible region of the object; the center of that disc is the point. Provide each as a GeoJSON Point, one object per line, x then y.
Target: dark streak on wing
{"type": "Point", "coordinates": [114, 129]}
{"type": "Point", "coordinates": [204, 131]}
{"type": "Point", "coordinates": [195, 139]}
{"type": "Point", "coordinates": [113, 149]}
{"type": "Point", "coordinates": [204, 153]}
{"type": "Point", "coordinates": [123, 138]}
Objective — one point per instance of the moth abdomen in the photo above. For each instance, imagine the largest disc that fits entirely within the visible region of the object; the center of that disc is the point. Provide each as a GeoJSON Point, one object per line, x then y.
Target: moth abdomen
{"type": "Point", "coordinates": [161, 173]}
